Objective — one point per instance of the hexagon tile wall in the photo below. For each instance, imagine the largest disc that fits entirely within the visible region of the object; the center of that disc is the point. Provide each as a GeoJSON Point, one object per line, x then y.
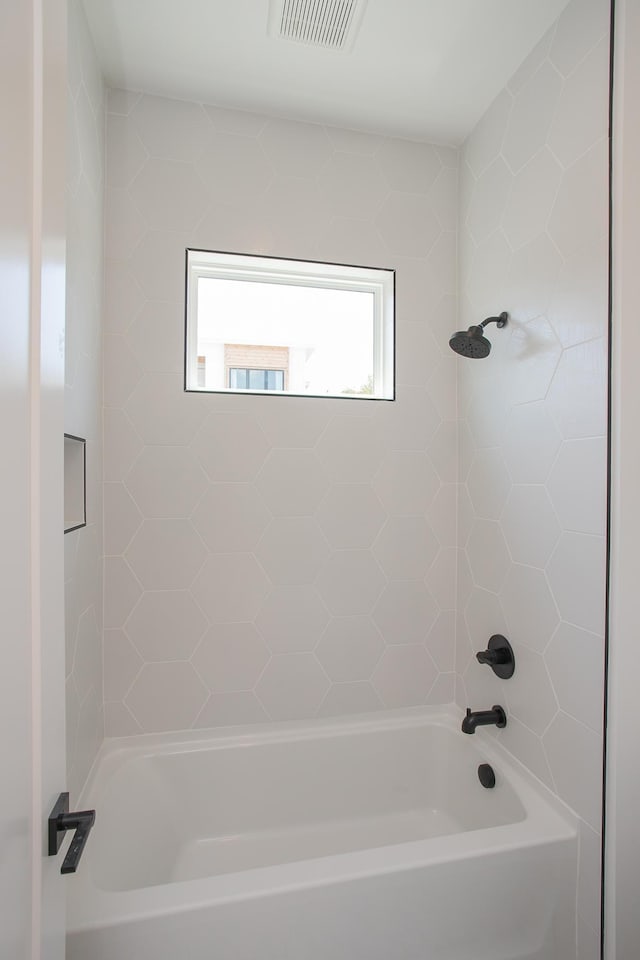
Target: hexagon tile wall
{"type": "Point", "coordinates": [83, 556]}
{"type": "Point", "coordinates": [270, 557]}
{"type": "Point", "coordinates": [533, 456]}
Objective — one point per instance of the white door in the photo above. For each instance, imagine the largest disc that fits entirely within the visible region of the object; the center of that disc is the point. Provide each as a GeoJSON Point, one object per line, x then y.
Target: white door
{"type": "Point", "coordinates": [32, 114]}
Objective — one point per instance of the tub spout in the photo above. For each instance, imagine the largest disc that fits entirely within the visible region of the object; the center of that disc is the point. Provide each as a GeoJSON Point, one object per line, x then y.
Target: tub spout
{"type": "Point", "coordinates": [483, 718]}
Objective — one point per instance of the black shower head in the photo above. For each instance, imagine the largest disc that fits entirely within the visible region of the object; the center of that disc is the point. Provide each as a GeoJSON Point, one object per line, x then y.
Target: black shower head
{"type": "Point", "coordinates": [472, 342]}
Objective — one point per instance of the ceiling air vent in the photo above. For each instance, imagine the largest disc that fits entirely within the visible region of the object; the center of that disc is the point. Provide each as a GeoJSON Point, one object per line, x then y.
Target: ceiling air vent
{"type": "Point", "coordinates": [332, 24]}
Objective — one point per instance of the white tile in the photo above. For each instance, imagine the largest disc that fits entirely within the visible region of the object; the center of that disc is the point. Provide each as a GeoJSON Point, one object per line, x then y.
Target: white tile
{"type": "Point", "coordinates": [231, 517]}
{"type": "Point", "coordinates": [443, 690]}
{"type": "Point", "coordinates": [530, 525]}
{"type": "Point", "coordinates": [350, 516]}
{"type": "Point", "coordinates": [406, 548]}
{"type": "Point", "coordinates": [529, 607]}
{"type": "Point", "coordinates": [119, 721]}
{"type": "Point", "coordinates": [230, 587]}
{"type": "Point", "coordinates": [442, 515]}
{"type": "Point", "coordinates": [292, 686]}
{"type": "Point", "coordinates": [575, 659]}
{"type": "Point", "coordinates": [404, 676]}
{"type": "Point", "coordinates": [405, 612]}
{"type": "Point", "coordinates": [417, 354]}
{"type": "Point", "coordinates": [122, 371]}
{"type": "Point", "coordinates": [576, 574]}
{"type": "Point", "coordinates": [292, 619]}
{"type": "Point", "coordinates": [485, 141]}
{"type": "Point", "coordinates": [577, 396]}
{"type": "Point", "coordinates": [230, 657]}
{"type": "Point", "coordinates": [353, 141]}
{"type": "Point", "coordinates": [350, 648]}
{"type": "Point", "coordinates": [242, 122]}
{"type": "Point", "coordinates": [165, 625]}
{"type": "Point", "coordinates": [488, 555]}
{"type": "Point", "coordinates": [529, 694]}
{"type": "Point", "coordinates": [486, 276]}
{"type": "Point", "coordinates": [121, 102]}
{"type": "Point", "coordinates": [166, 482]}
{"type": "Point", "coordinates": [352, 186]}
{"type": "Point", "coordinates": [158, 263]}
{"type": "Point", "coordinates": [123, 296]}
{"type": "Point", "coordinates": [409, 422]}
{"type": "Point", "coordinates": [347, 240]}
{"type": "Point", "coordinates": [173, 129]}
{"type": "Point", "coordinates": [166, 696]}
{"type": "Point", "coordinates": [530, 63]}
{"type": "Point", "coordinates": [124, 226]}
{"type": "Point", "coordinates": [533, 110]}
{"type": "Point", "coordinates": [580, 213]}
{"type": "Point", "coordinates": [347, 698]}
{"type": "Point", "coordinates": [575, 757]}
{"type": "Point", "coordinates": [293, 421]}
{"type": "Point", "coordinates": [165, 554]}
{"type": "Point", "coordinates": [484, 617]}
{"type": "Point", "coordinates": [582, 114]}
{"type": "Point", "coordinates": [407, 165]}
{"type": "Point", "coordinates": [162, 412]}
{"type": "Point", "coordinates": [156, 336]}
{"type": "Point", "coordinates": [234, 169]}
{"type": "Point", "coordinates": [532, 278]}
{"type": "Point", "coordinates": [121, 662]}
{"type": "Point", "coordinates": [528, 748]}
{"type": "Point", "coordinates": [121, 591]}
{"type": "Point", "coordinates": [577, 485]}
{"type": "Point", "coordinates": [122, 444]}
{"type": "Point", "coordinates": [579, 307]}
{"type": "Point", "coordinates": [125, 151]}
{"type": "Point", "coordinates": [169, 194]}
{"type": "Point", "coordinates": [531, 443]}
{"type": "Point", "coordinates": [350, 582]}
{"type": "Point", "coordinates": [488, 483]}
{"type": "Point", "coordinates": [488, 200]}
{"type": "Point", "coordinates": [444, 196]}
{"type": "Point", "coordinates": [350, 449]}
{"type": "Point", "coordinates": [443, 451]}
{"type": "Point", "coordinates": [407, 224]}
{"type": "Point", "coordinates": [531, 199]}
{"type": "Point", "coordinates": [121, 518]}
{"type": "Point", "coordinates": [87, 662]}
{"type": "Point", "coordinates": [297, 149]}
{"type": "Point", "coordinates": [222, 456]}
{"type": "Point", "coordinates": [441, 578]}
{"type": "Point", "coordinates": [292, 551]}
{"type": "Point", "coordinates": [570, 45]}
{"type": "Point", "coordinates": [441, 641]}
{"type": "Point", "coordinates": [292, 483]}
{"type": "Point", "coordinates": [231, 709]}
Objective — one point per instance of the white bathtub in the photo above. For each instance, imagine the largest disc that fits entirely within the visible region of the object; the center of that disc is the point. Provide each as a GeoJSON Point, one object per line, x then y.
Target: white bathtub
{"type": "Point", "coordinates": [365, 839]}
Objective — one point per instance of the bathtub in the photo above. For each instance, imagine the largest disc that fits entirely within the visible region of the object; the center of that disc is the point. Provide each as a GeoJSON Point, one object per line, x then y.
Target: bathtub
{"type": "Point", "coordinates": [362, 839]}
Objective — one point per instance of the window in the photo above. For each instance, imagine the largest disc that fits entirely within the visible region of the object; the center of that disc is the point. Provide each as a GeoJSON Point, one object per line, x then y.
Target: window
{"type": "Point", "coordinates": [256, 379]}
{"type": "Point", "coordinates": [265, 325]}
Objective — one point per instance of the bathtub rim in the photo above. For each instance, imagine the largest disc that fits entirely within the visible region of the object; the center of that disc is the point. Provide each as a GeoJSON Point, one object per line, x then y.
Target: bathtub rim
{"type": "Point", "coordinates": [547, 821]}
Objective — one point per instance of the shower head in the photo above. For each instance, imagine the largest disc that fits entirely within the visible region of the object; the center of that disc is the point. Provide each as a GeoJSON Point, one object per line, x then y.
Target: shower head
{"type": "Point", "coordinates": [472, 342]}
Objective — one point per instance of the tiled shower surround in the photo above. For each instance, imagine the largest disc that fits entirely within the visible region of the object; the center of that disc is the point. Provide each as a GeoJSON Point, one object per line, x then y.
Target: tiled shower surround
{"type": "Point", "coordinates": [270, 558]}
{"type": "Point", "coordinates": [83, 396]}
{"type": "Point", "coordinates": [532, 440]}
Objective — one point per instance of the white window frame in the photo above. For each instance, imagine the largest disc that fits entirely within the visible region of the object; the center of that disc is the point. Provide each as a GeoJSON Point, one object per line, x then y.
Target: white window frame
{"type": "Point", "coordinates": [233, 266]}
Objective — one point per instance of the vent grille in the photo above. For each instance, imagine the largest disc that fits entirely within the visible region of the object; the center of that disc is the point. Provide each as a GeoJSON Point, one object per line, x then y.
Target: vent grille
{"type": "Point", "coordinates": [321, 23]}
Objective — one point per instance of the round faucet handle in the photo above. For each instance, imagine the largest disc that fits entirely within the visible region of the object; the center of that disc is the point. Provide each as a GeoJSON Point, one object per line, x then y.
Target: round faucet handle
{"type": "Point", "coordinates": [499, 656]}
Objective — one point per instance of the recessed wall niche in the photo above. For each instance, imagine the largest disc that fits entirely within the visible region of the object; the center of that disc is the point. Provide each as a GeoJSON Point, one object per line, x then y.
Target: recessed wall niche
{"type": "Point", "coordinates": [75, 476]}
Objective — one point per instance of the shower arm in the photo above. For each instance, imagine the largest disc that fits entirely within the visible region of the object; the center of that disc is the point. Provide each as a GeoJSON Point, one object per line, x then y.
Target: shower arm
{"type": "Point", "coordinates": [499, 321]}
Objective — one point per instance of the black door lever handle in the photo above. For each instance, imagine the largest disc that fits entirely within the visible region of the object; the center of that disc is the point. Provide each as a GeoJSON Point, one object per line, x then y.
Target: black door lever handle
{"type": "Point", "coordinates": [60, 820]}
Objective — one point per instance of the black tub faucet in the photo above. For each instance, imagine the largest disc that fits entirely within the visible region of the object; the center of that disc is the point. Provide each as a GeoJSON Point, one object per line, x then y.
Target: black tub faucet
{"type": "Point", "coordinates": [483, 718]}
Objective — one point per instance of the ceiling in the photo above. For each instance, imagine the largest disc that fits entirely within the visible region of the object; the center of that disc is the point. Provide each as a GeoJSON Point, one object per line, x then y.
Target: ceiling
{"type": "Point", "coordinates": [422, 69]}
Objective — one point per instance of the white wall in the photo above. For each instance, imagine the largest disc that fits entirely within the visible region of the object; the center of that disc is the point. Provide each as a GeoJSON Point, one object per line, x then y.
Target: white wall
{"type": "Point", "coordinates": [269, 557]}
{"type": "Point", "coordinates": [533, 418]}
{"type": "Point", "coordinates": [83, 395]}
